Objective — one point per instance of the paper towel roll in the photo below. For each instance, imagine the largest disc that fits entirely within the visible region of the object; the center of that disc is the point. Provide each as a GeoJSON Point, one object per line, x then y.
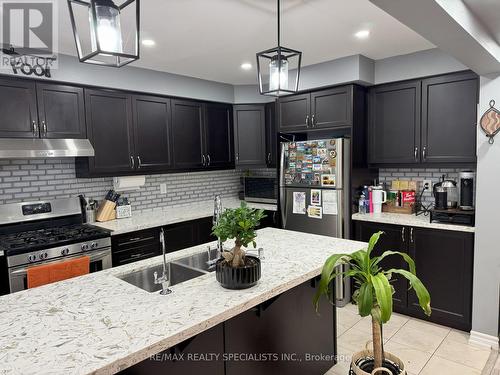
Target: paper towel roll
{"type": "Point", "coordinates": [129, 183]}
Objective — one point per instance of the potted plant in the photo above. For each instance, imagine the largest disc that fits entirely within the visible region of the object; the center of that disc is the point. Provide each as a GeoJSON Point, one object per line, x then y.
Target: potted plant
{"type": "Point", "coordinates": [235, 269]}
{"type": "Point", "coordinates": [373, 296]}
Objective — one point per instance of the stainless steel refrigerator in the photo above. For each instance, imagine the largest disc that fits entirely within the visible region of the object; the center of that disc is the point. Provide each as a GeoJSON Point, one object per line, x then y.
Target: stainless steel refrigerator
{"type": "Point", "coordinates": [315, 191]}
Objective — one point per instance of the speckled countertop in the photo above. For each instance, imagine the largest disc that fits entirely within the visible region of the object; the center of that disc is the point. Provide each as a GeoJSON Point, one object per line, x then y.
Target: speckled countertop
{"type": "Point", "coordinates": [172, 215]}
{"type": "Point", "coordinates": [410, 220]}
{"type": "Point", "coordinates": [100, 324]}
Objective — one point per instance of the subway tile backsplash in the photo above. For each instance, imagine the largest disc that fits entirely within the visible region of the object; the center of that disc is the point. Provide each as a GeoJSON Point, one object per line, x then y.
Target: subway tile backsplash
{"type": "Point", "coordinates": [387, 175]}
{"type": "Point", "coordinates": [38, 179]}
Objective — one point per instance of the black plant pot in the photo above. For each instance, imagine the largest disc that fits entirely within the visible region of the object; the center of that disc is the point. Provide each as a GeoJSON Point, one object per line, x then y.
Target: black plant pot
{"type": "Point", "coordinates": [238, 278]}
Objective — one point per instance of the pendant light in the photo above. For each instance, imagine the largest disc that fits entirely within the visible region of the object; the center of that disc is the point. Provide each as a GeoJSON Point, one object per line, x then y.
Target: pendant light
{"type": "Point", "coordinates": [99, 30]}
{"type": "Point", "coordinates": [278, 68]}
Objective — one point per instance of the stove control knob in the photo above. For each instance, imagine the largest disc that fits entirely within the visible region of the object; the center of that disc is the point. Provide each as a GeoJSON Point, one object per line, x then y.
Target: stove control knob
{"type": "Point", "coordinates": [31, 258]}
{"type": "Point", "coordinates": [65, 251]}
{"type": "Point", "coordinates": [93, 245]}
{"type": "Point", "coordinates": [85, 247]}
{"type": "Point", "coordinates": [43, 256]}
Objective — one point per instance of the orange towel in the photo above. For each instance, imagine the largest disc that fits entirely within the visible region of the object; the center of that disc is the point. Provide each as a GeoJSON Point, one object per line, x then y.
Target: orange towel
{"type": "Point", "coordinates": [50, 273]}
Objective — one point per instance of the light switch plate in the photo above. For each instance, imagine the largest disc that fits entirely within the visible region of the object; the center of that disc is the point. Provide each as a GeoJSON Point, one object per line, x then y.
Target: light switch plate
{"type": "Point", "coordinates": [163, 188]}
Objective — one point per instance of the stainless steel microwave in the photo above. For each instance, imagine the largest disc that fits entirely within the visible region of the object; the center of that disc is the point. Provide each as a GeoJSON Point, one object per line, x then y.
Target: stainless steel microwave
{"type": "Point", "coordinates": [261, 189]}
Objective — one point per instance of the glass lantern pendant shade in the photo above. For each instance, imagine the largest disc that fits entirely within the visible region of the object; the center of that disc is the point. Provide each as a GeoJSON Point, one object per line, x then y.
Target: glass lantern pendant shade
{"type": "Point", "coordinates": [98, 30]}
{"type": "Point", "coordinates": [278, 68]}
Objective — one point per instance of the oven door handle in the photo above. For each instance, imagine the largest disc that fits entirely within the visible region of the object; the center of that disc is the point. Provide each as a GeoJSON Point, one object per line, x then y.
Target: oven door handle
{"type": "Point", "coordinates": [94, 257]}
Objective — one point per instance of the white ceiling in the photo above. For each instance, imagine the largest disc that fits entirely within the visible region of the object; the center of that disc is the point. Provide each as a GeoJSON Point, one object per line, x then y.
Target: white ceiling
{"type": "Point", "coordinates": [210, 39]}
{"type": "Point", "coordinates": [488, 12]}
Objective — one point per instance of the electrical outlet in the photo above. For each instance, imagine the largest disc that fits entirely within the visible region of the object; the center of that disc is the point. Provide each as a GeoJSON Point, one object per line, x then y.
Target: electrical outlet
{"type": "Point", "coordinates": [427, 184]}
{"type": "Point", "coordinates": [163, 188]}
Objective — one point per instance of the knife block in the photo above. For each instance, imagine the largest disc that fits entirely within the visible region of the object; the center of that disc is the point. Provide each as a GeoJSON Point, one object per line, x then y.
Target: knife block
{"type": "Point", "coordinates": [106, 211]}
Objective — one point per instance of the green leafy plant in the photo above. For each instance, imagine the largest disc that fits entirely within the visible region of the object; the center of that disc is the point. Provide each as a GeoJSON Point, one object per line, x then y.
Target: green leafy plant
{"type": "Point", "coordinates": [374, 291]}
{"type": "Point", "coordinates": [238, 223]}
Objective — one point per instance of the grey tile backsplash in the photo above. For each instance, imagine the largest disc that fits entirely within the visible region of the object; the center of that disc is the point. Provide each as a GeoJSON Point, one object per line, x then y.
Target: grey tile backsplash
{"type": "Point", "coordinates": [418, 174]}
{"type": "Point", "coordinates": [38, 179]}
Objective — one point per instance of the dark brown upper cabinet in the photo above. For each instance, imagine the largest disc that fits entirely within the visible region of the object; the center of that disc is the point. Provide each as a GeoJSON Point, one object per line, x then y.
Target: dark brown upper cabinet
{"type": "Point", "coordinates": [271, 135]}
{"type": "Point", "coordinates": [61, 111]}
{"type": "Point", "coordinates": [218, 136]}
{"type": "Point", "coordinates": [152, 133]}
{"type": "Point", "coordinates": [430, 121]}
{"type": "Point", "coordinates": [449, 118]}
{"type": "Point", "coordinates": [18, 109]}
{"type": "Point", "coordinates": [110, 130]}
{"type": "Point", "coordinates": [35, 109]}
{"type": "Point", "coordinates": [250, 135]}
{"type": "Point", "coordinates": [394, 123]}
{"type": "Point", "coordinates": [324, 109]}
{"type": "Point", "coordinates": [187, 134]}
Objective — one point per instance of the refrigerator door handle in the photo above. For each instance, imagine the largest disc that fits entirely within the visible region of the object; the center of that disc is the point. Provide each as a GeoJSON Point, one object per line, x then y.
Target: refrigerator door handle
{"type": "Point", "coordinates": [282, 187]}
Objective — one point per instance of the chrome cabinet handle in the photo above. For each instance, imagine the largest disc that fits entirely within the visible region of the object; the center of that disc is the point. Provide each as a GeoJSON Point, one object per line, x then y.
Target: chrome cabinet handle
{"type": "Point", "coordinates": [411, 235]}
{"type": "Point", "coordinates": [132, 160]}
{"type": "Point", "coordinates": [416, 153]}
{"type": "Point", "coordinates": [307, 121]}
{"type": "Point", "coordinates": [208, 160]}
{"type": "Point", "coordinates": [424, 153]}
{"type": "Point", "coordinates": [35, 129]}
{"type": "Point", "coordinates": [313, 120]}
{"type": "Point", "coordinates": [237, 157]}
{"type": "Point", "coordinates": [139, 162]}
{"type": "Point", "coordinates": [403, 234]}
{"type": "Point", "coordinates": [203, 161]}
{"type": "Point", "coordinates": [269, 158]}
{"type": "Point", "coordinates": [44, 127]}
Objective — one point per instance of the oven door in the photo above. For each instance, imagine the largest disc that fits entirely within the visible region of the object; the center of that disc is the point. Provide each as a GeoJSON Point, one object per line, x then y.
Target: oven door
{"type": "Point", "coordinates": [18, 280]}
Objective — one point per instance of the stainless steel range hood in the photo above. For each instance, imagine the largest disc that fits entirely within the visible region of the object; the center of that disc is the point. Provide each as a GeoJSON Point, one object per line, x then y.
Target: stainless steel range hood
{"type": "Point", "coordinates": [33, 148]}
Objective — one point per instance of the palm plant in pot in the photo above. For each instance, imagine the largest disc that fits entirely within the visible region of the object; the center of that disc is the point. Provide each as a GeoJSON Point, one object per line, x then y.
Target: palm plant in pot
{"type": "Point", "coordinates": [236, 269]}
{"type": "Point", "coordinates": [373, 296]}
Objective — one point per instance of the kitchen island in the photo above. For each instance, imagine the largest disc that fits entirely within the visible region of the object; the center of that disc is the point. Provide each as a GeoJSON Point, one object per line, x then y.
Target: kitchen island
{"type": "Point", "coordinates": [101, 324]}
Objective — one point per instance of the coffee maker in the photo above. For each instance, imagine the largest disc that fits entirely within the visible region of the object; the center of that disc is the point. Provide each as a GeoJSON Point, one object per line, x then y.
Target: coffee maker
{"type": "Point", "coordinates": [466, 186]}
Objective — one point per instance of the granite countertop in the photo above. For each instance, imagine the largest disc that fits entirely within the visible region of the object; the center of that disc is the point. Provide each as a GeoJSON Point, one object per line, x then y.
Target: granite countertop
{"type": "Point", "coordinates": [410, 220]}
{"type": "Point", "coordinates": [172, 215]}
{"type": "Point", "coordinates": [99, 324]}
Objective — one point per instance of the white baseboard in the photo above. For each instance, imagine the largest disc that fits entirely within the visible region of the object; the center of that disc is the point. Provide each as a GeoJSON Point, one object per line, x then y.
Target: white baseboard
{"type": "Point", "coordinates": [478, 338]}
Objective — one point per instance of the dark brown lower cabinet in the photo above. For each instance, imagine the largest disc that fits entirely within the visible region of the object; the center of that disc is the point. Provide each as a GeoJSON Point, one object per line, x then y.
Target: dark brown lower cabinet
{"type": "Point", "coordinates": [283, 335]}
{"type": "Point", "coordinates": [444, 262]}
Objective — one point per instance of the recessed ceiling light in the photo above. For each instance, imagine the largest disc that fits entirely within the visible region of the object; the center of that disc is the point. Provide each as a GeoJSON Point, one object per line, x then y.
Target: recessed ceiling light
{"type": "Point", "coordinates": [362, 34]}
{"type": "Point", "coordinates": [148, 42]}
{"type": "Point", "coordinates": [246, 66]}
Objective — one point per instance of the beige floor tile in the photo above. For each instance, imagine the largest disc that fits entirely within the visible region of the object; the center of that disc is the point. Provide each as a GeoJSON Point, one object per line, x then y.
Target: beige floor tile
{"type": "Point", "coordinates": [344, 361]}
{"type": "Point", "coordinates": [419, 339]}
{"type": "Point", "coordinates": [458, 336]}
{"type": "Point", "coordinates": [347, 318]}
{"type": "Point", "coordinates": [464, 354]}
{"type": "Point", "coordinates": [414, 359]}
{"type": "Point", "coordinates": [441, 366]}
{"type": "Point", "coordinates": [341, 328]}
{"type": "Point", "coordinates": [435, 329]}
{"type": "Point", "coordinates": [389, 329]}
{"type": "Point", "coordinates": [356, 340]}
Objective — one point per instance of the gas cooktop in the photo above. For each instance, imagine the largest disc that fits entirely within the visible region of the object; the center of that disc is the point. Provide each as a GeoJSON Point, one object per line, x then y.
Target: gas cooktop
{"type": "Point", "coordinates": [40, 239]}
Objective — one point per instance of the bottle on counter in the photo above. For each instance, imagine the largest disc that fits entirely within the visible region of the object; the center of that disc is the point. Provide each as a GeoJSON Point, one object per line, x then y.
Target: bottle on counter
{"type": "Point", "coordinates": [362, 204]}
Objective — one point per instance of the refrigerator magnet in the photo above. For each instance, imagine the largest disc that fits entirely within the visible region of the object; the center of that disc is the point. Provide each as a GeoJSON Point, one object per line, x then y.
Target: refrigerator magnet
{"type": "Point", "coordinates": [315, 212]}
{"type": "Point", "coordinates": [322, 153]}
{"type": "Point", "coordinates": [299, 202]}
{"type": "Point", "coordinates": [328, 180]}
{"type": "Point", "coordinates": [316, 197]}
{"type": "Point", "coordinates": [317, 167]}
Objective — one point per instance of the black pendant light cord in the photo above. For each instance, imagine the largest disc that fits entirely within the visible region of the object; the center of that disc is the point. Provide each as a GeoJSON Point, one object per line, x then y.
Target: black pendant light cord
{"type": "Point", "coordinates": [279, 44]}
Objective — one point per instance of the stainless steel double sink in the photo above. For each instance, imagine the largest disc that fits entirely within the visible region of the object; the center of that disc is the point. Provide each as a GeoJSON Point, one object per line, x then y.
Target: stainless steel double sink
{"type": "Point", "coordinates": [180, 270]}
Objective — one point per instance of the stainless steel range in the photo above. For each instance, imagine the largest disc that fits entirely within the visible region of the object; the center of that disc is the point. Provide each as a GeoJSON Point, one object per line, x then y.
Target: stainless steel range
{"type": "Point", "coordinates": [34, 233]}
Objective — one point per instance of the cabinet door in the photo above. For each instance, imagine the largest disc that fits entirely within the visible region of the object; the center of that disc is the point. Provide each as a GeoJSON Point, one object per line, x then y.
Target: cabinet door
{"type": "Point", "coordinates": [61, 111]}
{"type": "Point", "coordinates": [204, 231]}
{"type": "Point", "coordinates": [394, 123]}
{"type": "Point", "coordinates": [444, 263]}
{"type": "Point", "coordinates": [187, 134]}
{"type": "Point", "coordinates": [286, 324]}
{"type": "Point", "coordinates": [331, 108]}
{"type": "Point", "coordinates": [395, 238]}
{"type": "Point", "coordinates": [218, 136]}
{"type": "Point", "coordinates": [271, 135]}
{"type": "Point", "coordinates": [449, 118]}
{"type": "Point", "coordinates": [180, 236]}
{"type": "Point", "coordinates": [18, 109]}
{"type": "Point", "coordinates": [109, 126]}
{"type": "Point", "coordinates": [152, 133]}
{"type": "Point", "coordinates": [250, 135]}
{"type": "Point", "coordinates": [294, 112]}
